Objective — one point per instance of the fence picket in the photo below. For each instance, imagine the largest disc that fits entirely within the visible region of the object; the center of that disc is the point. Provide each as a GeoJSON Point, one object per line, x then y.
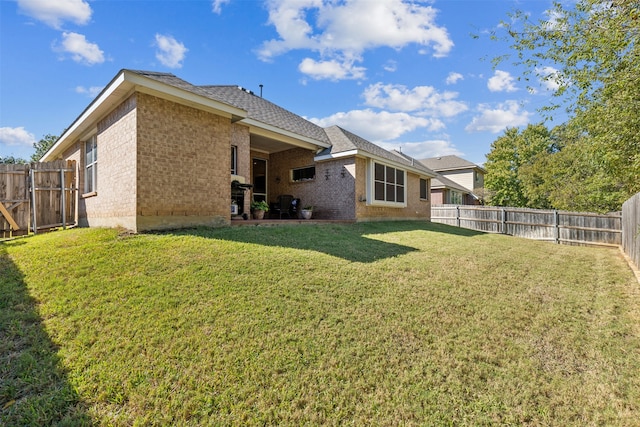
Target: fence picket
{"type": "Point", "coordinates": [538, 224]}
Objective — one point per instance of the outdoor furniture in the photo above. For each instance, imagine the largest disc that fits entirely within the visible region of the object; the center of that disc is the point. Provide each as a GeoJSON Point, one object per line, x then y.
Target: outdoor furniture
{"type": "Point", "coordinates": [282, 206]}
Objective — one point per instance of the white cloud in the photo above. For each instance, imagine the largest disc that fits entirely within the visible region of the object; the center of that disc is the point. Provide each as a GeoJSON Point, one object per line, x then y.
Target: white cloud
{"type": "Point", "coordinates": [507, 114]}
{"type": "Point", "coordinates": [16, 137]}
{"type": "Point", "coordinates": [91, 92]}
{"type": "Point", "coordinates": [454, 78]}
{"type": "Point", "coordinates": [346, 29]}
{"type": "Point", "coordinates": [424, 149]}
{"type": "Point", "coordinates": [332, 70]}
{"type": "Point", "coordinates": [501, 81]}
{"type": "Point", "coordinates": [378, 126]}
{"type": "Point", "coordinates": [425, 99]}
{"type": "Point", "coordinates": [170, 52]}
{"type": "Point", "coordinates": [55, 12]}
{"type": "Point", "coordinates": [391, 66]}
{"type": "Point", "coordinates": [549, 78]}
{"type": "Point", "coordinates": [217, 5]}
{"type": "Point", "coordinates": [80, 49]}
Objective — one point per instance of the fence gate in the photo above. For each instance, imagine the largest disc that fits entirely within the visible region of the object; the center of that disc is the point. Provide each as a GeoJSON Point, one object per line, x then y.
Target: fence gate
{"type": "Point", "coordinates": [37, 196]}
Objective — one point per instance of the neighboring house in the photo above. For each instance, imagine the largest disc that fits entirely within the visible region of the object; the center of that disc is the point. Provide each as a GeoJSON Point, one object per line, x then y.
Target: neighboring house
{"type": "Point", "coordinates": [156, 152]}
{"type": "Point", "coordinates": [459, 182]}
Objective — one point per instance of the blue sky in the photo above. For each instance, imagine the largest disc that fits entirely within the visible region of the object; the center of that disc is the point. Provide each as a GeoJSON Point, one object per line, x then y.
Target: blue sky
{"type": "Point", "coordinates": [405, 75]}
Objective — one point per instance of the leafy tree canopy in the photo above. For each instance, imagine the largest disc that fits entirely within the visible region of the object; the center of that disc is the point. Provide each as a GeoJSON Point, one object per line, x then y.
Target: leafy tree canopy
{"type": "Point", "coordinates": [588, 54]}
{"type": "Point", "coordinates": [12, 160]}
{"type": "Point", "coordinates": [43, 146]}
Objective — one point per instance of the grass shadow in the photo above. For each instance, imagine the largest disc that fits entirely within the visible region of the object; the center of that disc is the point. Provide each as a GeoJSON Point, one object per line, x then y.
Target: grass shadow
{"type": "Point", "coordinates": [34, 390]}
{"type": "Point", "coordinates": [346, 241]}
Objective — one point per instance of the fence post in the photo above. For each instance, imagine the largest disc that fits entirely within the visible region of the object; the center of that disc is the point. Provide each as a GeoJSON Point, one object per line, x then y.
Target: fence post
{"type": "Point", "coordinates": [556, 225]}
{"type": "Point", "coordinates": [503, 221]}
{"type": "Point", "coordinates": [32, 186]}
{"type": "Point", "coordinates": [62, 200]}
{"type": "Point", "coordinates": [458, 216]}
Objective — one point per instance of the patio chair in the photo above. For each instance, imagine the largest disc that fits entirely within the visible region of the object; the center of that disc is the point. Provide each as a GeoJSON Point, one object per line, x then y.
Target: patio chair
{"type": "Point", "coordinates": [282, 206]}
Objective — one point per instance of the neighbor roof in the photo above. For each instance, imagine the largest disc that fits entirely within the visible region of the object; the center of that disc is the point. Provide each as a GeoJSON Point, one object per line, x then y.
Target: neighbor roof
{"type": "Point", "coordinates": [447, 163]}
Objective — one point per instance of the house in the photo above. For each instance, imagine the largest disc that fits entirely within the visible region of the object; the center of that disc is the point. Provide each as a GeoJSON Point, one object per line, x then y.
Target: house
{"type": "Point", "coordinates": [459, 181]}
{"type": "Point", "coordinates": [157, 152]}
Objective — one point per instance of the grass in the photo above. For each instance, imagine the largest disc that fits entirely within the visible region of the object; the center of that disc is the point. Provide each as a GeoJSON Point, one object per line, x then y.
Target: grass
{"type": "Point", "coordinates": [366, 324]}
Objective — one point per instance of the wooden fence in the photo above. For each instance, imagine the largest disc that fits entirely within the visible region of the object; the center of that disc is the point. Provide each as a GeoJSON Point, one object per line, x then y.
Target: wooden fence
{"type": "Point", "coordinates": [631, 228]}
{"type": "Point", "coordinates": [37, 196]}
{"type": "Point", "coordinates": [556, 226]}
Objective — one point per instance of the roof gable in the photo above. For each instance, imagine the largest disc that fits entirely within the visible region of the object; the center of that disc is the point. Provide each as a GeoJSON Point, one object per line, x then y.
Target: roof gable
{"type": "Point", "coordinates": [344, 142]}
{"type": "Point", "coordinates": [451, 162]}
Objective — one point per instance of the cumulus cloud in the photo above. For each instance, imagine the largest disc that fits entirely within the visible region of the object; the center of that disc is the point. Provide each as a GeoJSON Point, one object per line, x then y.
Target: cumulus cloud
{"type": "Point", "coordinates": [502, 81]}
{"type": "Point", "coordinates": [494, 120]}
{"type": "Point", "coordinates": [16, 137]}
{"type": "Point", "coordinates": [378, 126]}
{"type": "Point", "coordinates": [217, 5]}
{"type": "Point", "coordinates": [454, 78]}
{"type": "Point", "coordinates": [424, 99]}
{"type": "Point", "coordinates": [91, 92]}
{"type": "Point", "coordinates": [346, 29]}
{"type": "Point", "coordinates": [391, 66]}
{"type": "Point", "coordinates": [424, 149]}
{"type": "Point", "coordinates": [170, 52]}
{"type": "Point", "coordinates": [332, 70]}
{"type": "Point", "coordinates": [81, 50]}
{"type": "Point", "coordinates": [54, 13]}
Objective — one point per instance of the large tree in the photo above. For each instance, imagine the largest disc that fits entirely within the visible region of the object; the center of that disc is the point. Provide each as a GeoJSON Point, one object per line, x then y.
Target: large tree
{"type": "Point", "coordinates": [43, 146]}
{"type": "Point", "coordinates": [589, 53]}
{"type": "Point", "coordinates": [510, 178]}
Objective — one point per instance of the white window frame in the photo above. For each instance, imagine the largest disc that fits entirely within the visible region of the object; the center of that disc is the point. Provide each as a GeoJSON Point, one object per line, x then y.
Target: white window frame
{"type": "Point", "coordinates": [371, 184]}
{"type": "Point", "coordinates": [426, 183]}
{"type": "Point", "coordinates": [234, 160]}
{"type": "Point", "coordinates": [91, 166]}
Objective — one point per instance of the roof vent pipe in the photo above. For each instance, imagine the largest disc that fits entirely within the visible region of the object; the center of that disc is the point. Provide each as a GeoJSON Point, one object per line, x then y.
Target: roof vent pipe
{"type": "Point", "coordinates": [261, 86]}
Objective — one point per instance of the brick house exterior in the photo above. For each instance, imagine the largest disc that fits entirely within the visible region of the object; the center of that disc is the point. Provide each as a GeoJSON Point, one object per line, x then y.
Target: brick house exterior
{"type": "Point", "coordinates": [156, 152]}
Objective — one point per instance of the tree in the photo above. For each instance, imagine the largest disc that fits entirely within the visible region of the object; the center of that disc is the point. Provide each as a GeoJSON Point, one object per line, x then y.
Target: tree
{"type": "Point", "coordinates": [591, 55]}
{"type": "Point", "coordinates": [12, 160]}
{"type": "Point", "coordinates": [510, 176]}
{"type": "Point", "coordinates": [43, 146]}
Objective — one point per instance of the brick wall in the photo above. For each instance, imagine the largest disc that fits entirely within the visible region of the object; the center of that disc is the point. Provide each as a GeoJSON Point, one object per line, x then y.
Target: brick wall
{"type": "Point", "coordinates": [416, 208]}
{"type": "Point", "coordinates": [114, 202]}
{"type": "Point", "coordinates": [241, 139]}
{"type": "Point", "coordinates": [331, 193]}
{"type": "Point", "coordinates": [183, 163]}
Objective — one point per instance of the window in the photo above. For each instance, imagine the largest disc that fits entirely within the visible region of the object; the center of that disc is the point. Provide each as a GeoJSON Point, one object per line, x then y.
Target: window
{"type": "Point", "coordinates": [424, 189]}
{"type": "Point", "coordinates": [455, 198]}
{"type": "Point", "coordinates": [388, 184]}
{"type": "Point", "coordinates": [91, 166]}
{"type": "Point", "coordinates": [303, 174]}
{"type": "Point", "coordinates": [234, 160]}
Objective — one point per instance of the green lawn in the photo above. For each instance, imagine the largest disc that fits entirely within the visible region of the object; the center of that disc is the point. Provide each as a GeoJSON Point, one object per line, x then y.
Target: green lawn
{"type": "Point", "coordinates": [366, 324]}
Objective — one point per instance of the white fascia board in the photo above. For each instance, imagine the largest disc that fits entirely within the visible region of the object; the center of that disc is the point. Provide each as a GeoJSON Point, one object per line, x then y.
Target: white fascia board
{"type": "Point", "coordinates": [269, 131]}
{"type": "Point", "coordinates": [166, 91]}
{"type": "Point", "coordinates": [379, 159]}
{"type": "Point", "coordinates": [336, 155]}
{"type": "Point", "coordinates": [122, 86]}
{"type": "Point", "coordinates": [80, 124]}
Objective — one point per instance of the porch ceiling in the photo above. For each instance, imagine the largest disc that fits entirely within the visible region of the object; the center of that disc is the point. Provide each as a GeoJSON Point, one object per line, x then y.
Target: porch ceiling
{"type": "Point", "coordinates": [269, 145]}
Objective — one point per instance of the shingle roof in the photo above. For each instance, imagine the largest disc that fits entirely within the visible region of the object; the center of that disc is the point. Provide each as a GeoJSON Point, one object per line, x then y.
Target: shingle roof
{"type": "Point", "coordinates": [342, 141]}
{"type": "Point", "coordinates": [266, 111]}
{"type": "Point", "coordinates": [445, 163]}
{"type": "Point", "coordinates": [258, 108]}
